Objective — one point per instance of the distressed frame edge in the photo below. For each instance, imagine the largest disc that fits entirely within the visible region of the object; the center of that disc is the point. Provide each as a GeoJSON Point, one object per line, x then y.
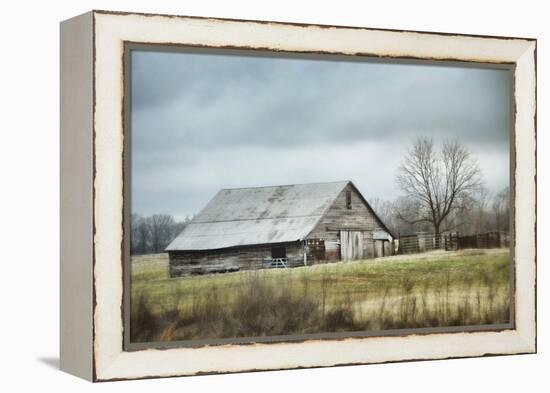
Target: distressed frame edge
{"type": "Point", "coordinates": [525, 129]}
{"type": "Point", "coordinates": [527, 339]}
{"type": "Point", "coordinates": [305, 24]}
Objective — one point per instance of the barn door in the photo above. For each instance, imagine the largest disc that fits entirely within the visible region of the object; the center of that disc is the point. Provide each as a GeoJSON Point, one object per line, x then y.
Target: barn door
{"type": "Point", "coordinates": [351, 245]}
{"type": "Point", "coordinates": [378, 248]}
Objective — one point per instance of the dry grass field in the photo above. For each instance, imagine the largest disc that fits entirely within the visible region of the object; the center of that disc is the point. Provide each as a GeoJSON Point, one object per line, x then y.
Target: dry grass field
{"type": "Point", "coordinates": [468, 287]}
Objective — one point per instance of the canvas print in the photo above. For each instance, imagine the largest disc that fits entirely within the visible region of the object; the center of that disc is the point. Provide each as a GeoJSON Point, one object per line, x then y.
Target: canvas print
{"type": "Point", "coordinates": [280, 196]}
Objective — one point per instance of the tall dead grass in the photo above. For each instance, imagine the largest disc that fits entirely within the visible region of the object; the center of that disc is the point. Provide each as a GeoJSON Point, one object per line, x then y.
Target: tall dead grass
{"type": "Point", "coordinates": [261, 307]}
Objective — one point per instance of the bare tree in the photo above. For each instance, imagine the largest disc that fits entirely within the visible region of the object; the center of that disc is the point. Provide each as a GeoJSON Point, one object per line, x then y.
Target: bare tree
{"type": "Point", "coordinates": [134, 233]}
{"type": "Point", "coordinates": [143, 234]}
{"type": "Point", "coordinates": [161, 226]}
{"type": "Point", "coordinates": [387, 211]}
{"type": "Point", "coordinates": [153, 233]}
{"type": "Point", "coordinates": [501, 210]}
{"type": "Point", "coordinates": [437, 181]}
{"type": "Point", "coordinates": [474, 218]}
{"type": "Point", "coordinates": [384, 211]}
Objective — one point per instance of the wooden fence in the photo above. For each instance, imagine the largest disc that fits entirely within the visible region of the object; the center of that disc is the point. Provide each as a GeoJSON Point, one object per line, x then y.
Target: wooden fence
{"type": "Point", "coordinates": [421, 242]}
{"type": "Point", "coordinates": [484, 240]}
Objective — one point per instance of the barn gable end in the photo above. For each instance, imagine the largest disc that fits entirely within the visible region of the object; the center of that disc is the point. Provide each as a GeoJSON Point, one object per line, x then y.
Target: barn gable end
{"type": "Point", "coordinates": [351, 213]}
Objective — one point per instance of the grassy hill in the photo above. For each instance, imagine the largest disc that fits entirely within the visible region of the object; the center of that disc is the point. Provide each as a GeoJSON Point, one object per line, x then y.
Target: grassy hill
{"type": "Point", "coordinates": [469, 287]}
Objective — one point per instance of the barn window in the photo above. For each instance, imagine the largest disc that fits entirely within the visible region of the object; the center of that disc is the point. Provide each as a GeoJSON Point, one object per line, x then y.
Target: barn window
{"type": "Point", "coordinates": [278, 252]}
{"type": "Point", "coordinates": [348, 200]}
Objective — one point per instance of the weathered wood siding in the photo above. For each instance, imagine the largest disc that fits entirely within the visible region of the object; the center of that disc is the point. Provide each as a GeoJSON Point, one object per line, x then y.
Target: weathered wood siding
{"type": "Point", "coordinates": [339, 217]}
{"type": "Point", "coordinates": [388, 248]}
{"type": "Point", "coordinates": [245, 258]}
{"type": "Point", "coordinates": [383, 248]}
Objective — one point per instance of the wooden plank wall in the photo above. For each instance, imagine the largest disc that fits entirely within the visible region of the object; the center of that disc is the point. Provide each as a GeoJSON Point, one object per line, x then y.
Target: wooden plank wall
{"type": "Point", "coordinates": [246, 258]}
{"type": "Point", "coordinates": [359, 217]}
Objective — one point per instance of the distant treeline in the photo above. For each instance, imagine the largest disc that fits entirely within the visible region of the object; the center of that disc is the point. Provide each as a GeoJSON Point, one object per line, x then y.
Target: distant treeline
{"type": "Point", "coordinates": [152, 234]}
{"type": "Point", "coordinates": [479, 212]}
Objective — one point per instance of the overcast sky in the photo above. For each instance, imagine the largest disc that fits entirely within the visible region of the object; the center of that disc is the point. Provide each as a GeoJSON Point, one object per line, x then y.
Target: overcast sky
{"type": "Point", "coordinates": [202, 122]}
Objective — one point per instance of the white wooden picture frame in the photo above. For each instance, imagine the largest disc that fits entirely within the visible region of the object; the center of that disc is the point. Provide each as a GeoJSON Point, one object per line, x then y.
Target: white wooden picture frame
{"type": "Point", "coordinates": [92, 194]}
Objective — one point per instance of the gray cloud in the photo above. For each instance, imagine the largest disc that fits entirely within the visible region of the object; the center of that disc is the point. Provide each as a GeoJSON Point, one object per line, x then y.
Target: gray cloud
{"type": "Point", "coordinates": [202, 122]}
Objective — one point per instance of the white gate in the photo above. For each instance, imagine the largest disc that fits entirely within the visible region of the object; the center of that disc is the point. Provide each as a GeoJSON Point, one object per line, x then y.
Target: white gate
{"type": "Point", "coordinates": [351, 245]}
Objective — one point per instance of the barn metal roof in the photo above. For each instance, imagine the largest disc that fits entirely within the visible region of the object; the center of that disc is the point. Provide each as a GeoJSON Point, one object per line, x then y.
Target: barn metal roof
{"type": "Point", "coordinates": [260, 215]}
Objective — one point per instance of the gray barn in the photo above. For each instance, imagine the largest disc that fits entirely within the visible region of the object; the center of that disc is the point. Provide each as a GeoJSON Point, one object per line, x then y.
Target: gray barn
{"type": "Point", "coordinates": [292, 225]}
